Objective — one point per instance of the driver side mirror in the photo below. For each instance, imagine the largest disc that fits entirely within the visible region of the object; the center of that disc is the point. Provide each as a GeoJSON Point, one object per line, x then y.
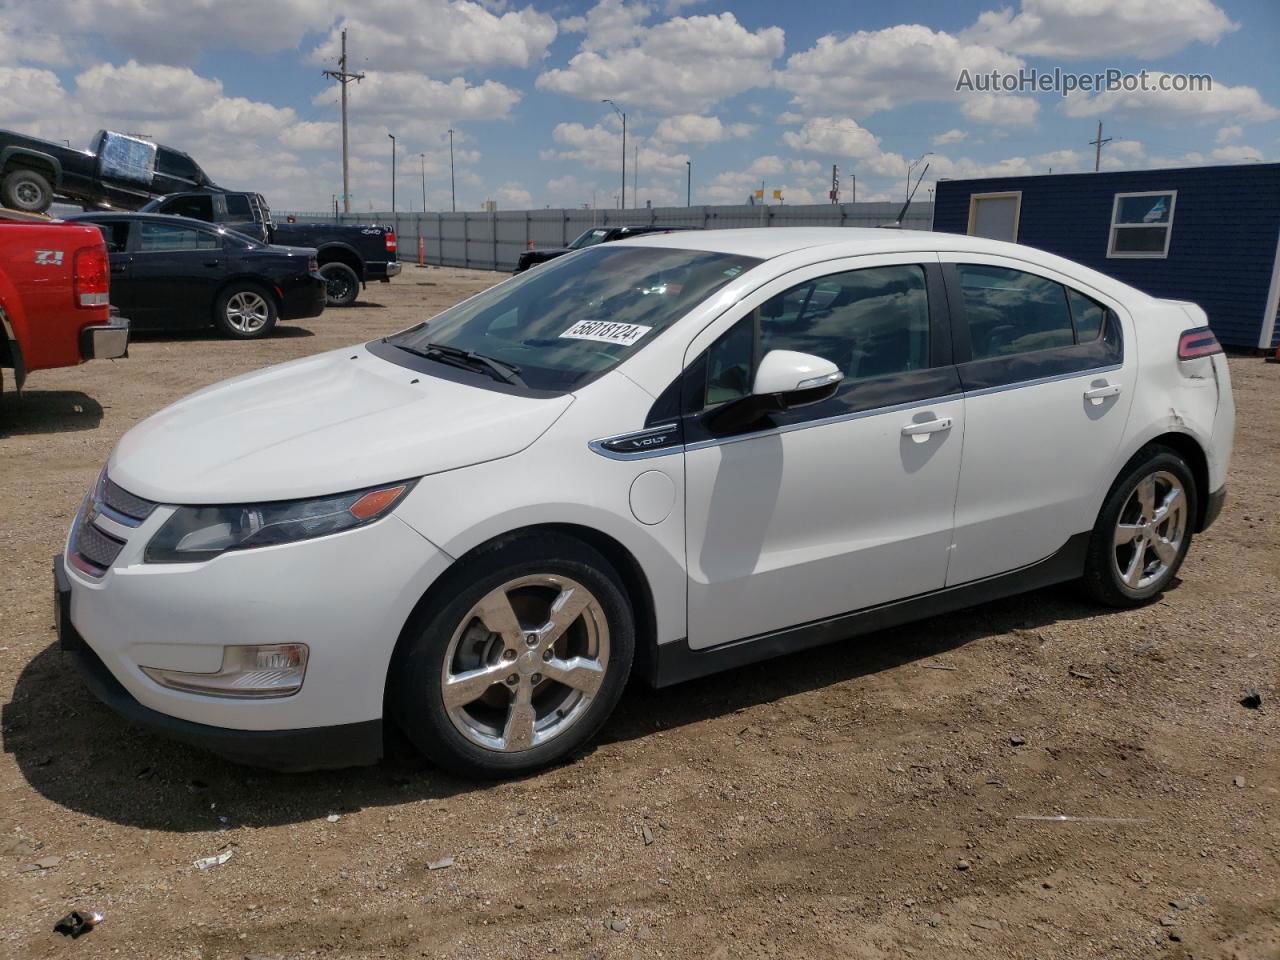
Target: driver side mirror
{"type": "Point", "coordinates": [785, 380]}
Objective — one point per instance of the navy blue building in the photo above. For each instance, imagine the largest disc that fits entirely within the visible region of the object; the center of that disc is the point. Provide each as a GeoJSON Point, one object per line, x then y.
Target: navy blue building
{"type": "Point", "coordinates": [1206, 234]}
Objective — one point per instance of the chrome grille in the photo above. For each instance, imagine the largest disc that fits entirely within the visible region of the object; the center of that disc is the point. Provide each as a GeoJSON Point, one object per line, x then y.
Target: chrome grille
{"type": "Point", "coordinates": [122, 501]}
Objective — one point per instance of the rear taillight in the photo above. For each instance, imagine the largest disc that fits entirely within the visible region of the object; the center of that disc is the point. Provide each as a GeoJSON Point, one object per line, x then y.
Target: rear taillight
{"type": "Point", "coordinates": [313, 265]}
{"type": "Point", "coordinates": [391, 241]}
{"type": "Point", "coordinates": [91, 276]}
{"type": "Point", "coordinates": [1197, 342]}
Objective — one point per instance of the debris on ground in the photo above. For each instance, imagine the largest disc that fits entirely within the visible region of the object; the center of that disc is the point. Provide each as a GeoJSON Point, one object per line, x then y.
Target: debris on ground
{"type": "Point", "coordinates": [217, 860]}
{"type": "Point", "coordinates": [1252, 699]}
{"type": "Point", "coordinates": [44, 863]}
{"type": "Point", "coordinates": [442, 864]}
{"type": "Point", "coordinates": [1062, 818]}
{"type": "Point", "coordinates": [647, 834]}
{"type": "Point", "coordinates": [77, 923]}
{"type": "Point", "coordinates": [1017, 740]}
{"type": "Point", "coordinates": [1238, 780]}
{"type": "Point", "coordinates": [334, 817]}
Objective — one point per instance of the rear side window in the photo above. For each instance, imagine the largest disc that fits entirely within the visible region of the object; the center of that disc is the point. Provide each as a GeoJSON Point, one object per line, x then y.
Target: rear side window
{"type": "Point", "coordinates": [1087, 314]}
{"type": "Point", "coordinates": [1011, 311]}
{"type": "Point", "coordinates": [166, 238]}
{"type": "Point", "coordinates": [116, 235]}
{"type": "Point", "coordinates": [238, 205]}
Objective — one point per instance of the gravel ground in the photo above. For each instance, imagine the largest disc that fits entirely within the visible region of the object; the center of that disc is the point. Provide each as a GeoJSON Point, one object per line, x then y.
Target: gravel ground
{"type": "Point", "coordinates": [859, 801]}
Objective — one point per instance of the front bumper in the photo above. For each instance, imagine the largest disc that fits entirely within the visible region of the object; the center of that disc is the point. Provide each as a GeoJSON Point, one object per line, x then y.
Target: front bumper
{"type": "Point", "coordinates": [1212, 508]}
{"type": "Point", "coordinates": [346, 596]}
{"type": "Point", "coordinates": [106, 341]}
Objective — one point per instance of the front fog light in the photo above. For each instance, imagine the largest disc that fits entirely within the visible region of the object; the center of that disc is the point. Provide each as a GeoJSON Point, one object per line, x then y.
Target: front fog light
{"type": "Point", "coordinates": [258, 672]}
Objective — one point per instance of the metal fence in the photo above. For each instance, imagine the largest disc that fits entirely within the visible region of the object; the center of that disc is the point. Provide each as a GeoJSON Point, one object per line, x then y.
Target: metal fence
{"type": "Point", "coordinates": [494, 241]}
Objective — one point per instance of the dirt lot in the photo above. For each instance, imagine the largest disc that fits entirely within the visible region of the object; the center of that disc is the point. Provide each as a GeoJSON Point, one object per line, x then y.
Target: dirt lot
{"type": "Point", "coordinates": [859, 801]}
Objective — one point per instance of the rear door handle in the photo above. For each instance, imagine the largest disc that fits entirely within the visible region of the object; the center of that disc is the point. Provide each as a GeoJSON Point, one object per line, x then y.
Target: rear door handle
{"type": "Point", "coordinates": [1098, 394]}
{"type": "Point", "coordinates": [919, 432]}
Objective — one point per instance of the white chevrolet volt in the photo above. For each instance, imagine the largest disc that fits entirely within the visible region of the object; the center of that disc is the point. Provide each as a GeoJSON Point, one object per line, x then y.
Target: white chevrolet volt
{"type": "Point", "coordinates": [664, 457]}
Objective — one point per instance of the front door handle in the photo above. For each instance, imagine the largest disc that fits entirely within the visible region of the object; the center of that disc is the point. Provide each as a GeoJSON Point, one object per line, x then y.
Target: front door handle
{"type": "Point", "coordinates": [919, 432]}
{"type": "Point", "coordinates": [1097, 394]}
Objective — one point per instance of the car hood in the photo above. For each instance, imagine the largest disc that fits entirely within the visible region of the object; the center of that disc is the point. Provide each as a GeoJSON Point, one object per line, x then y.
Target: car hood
{"type": "Point", "coordinates": [325, 424]}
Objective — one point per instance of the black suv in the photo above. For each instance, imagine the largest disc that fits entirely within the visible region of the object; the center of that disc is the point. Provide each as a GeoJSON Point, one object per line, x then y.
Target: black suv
{"type": "Point", "coordinates": [117, 170]}
{"type": "Point", "coordinates": [589, 238]}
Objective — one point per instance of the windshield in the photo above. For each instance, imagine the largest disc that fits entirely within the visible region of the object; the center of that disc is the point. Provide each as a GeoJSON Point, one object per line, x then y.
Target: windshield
{"type": "Point", "coordinates": [589, 239]}
{"type": "Point", "coordinates": [580, 315]}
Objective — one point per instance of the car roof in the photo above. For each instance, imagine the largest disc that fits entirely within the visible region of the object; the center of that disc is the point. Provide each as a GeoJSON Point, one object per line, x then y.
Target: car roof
{"type": "Point", "coordinates": [766, 243]}
{"type": "Point", "coordinates": [106, 216]}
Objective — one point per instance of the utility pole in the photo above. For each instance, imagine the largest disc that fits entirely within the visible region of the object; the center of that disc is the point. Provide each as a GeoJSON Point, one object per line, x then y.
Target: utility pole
{"type": "Point", "coordinates": [453, 192]}
{"type": "Point", "coordinates": [343, 77]}
{"type": "Point", "coordinates": [1097, 145]}
{"type": "Point", "coordinates": [688, 183]}
{"type": "Point", "coordinates": [635, 176]}
{"type": "Point", "coordinates": [422, 158]}
{"type": "Point", "coordinates": [393, 172]}
{"type": "Point", "coordinates": [622, 199]}
{"type": "Point", "coordinates": [835, 184]}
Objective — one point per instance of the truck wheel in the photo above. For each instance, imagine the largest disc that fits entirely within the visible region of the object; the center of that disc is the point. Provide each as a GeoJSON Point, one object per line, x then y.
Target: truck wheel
{"type": "Point", "coordinates": [245, 311]}
{"type": "Point", "coordinates": [341, 284]}
{"type": "Point", "coordinates": [26, 190]}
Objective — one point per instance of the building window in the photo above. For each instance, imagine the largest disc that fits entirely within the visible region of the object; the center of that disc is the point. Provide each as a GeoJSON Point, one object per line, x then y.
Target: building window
{"type": "Point", "coordinates": [995, 215]}
{"type": "Point", "coordinates": [1141, 224]}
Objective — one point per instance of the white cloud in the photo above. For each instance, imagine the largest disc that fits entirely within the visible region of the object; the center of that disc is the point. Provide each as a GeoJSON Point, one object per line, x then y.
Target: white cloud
{"type": "Point", "coordinates": [950, 136]}
{"type": "Point", "coordinates": [609, 24]}
{"type": "Point", "coordinates": [571, 191]}
{"type": "Point", "coordinates": [1089, 29]}
{"type": "Point", "coordinates": [694, 128]}
{"type": "Point", "coordinates": [415, 97]}
{"type": "Point", "coordinates": [311, 135]}
{"type": "Point", "coordinates": [876, 70]}
{"type": "Point", "coordinates": [1219, 103]}
{"type": "Point", "coordinates": [681, 65]}
{"type": "Point", "coordinates": [601, 149]}
{"type": "Point", "coordinates": [434, 36]}
{"type": "Point", "coordinates": [1000, 110]}
{"type": "Point", "coordinates": [805, 168]}
{"type": "Point", "coordinates": [1235, 153]}
{"type": "Point", "coordinates": [1231, 132]}
{"type": "Point", "coordinates": [512, 196]}
{"type": "Point", "coordinates": [833, 136]}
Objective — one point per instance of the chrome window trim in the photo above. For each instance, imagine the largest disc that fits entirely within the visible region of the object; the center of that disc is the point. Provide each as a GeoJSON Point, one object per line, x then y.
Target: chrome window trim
{"type": "Point", "coordinates": [982, 392]}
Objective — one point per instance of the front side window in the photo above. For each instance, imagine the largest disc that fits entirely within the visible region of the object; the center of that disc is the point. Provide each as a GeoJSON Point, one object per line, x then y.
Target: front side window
{"type": "Point", "coordinates": [580, 315]}
{"type": "Point", "coordinates": [174, 164]}
{"type": "Point", "coordinates": [589, 239]}
{"type": "Point", "coordinates": [167, 238]}
{"type": "Point", "coordinates": [1010, 311]}
{"type": "Point", "coordinates": [1141, 224]}
{"type": "Point", "coordinates": [869, 323]}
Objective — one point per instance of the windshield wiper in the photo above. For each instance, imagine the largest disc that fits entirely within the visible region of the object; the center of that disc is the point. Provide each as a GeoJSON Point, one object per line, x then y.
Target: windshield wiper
{"type": "Point", "coordinates": [469, 360]}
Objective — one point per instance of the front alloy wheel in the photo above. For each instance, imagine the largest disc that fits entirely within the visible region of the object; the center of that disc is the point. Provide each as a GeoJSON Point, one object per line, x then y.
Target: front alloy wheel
{"type": "Point", "coordinates": [518, 661]}
{"type": "Point", "coordinates": [525, 663]}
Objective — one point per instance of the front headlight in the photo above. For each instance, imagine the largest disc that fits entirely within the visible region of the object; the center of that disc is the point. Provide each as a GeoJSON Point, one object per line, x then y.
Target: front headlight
{"type": "Point", "coordinates": [194, 534]}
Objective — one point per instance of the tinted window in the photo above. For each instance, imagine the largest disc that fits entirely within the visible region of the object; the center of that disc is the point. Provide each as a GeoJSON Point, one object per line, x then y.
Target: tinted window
{"type": "Point", "coordinates": [175, 164]}
{"type": "Point", "coordinates": [589, 239]}
{"type": "Point", "coordinates": [238, 205]}
{"type": "Point", "coordinates": [581, 314]}
{"type": "Point", "coordinates": [867, 322]}
{"type": "Point", "coordinates": [116, 235]}
{"type": "Point", "coordinates": [165, 237]}
{"type": "Point", "coordinates": [1087, 314]}
{"type": "Point", "coordinates": [198, 208]}
{"type": "Point", "coordinates": [729, 364]}
{"type": "Point", "coordinates": [1010, 312]}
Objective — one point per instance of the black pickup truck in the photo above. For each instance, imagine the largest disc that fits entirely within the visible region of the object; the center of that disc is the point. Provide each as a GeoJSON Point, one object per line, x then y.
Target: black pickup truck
{"type": "Point", "coordinates": [350, 255]}
{"type": "Point", "coordinates": [117, 170]}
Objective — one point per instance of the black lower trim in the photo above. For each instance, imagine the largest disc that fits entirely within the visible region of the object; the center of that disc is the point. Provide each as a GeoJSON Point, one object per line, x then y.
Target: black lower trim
{"type": "Point", "coordinates": [292, 751]}
{"type": "Point", "coordinates": [677, 662]}
{"type": "Point", "coordinates": [1213, 507]}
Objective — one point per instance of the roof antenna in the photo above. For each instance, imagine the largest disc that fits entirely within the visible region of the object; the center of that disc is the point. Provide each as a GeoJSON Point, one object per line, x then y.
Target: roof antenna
{"type": "Point", "coordinates": [897, 224]}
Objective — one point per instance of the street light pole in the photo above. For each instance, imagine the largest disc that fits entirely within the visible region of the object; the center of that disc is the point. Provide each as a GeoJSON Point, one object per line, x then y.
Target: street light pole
{"type": "Point", "coordinates": [622, 200]}
{"type": "Point", "coordinates": [393, 171]}
{"type": "Point", "coordinates": [422, 158]}
{"type": "Point", "coordinates": [688, 183]}
{"type": "Point", "coordinates": [453, 193]}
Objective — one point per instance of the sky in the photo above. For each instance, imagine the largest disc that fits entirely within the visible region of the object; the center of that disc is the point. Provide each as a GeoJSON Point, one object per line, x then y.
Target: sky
{"type": "Point", "coordinates": [746, 93]}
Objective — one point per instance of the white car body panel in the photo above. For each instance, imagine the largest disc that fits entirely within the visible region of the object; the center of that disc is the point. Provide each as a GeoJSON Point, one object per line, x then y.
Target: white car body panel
{"type": "Point", "coordinates": [729, 540]}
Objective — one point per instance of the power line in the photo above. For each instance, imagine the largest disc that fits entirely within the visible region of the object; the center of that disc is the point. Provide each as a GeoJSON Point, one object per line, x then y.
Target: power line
{"type": "Point", "coordinates": [343, 77]}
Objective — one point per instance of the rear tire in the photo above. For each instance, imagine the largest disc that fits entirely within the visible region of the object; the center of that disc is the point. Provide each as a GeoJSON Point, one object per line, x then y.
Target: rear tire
{"type": "Point", "coordinates": [1143, 531]}
{"type": "Point", "coordinates": [26, 190]}
{"type": "Point", "coordinates": [537, 689]}
{"type": "Point", "coordinates": [342, 286]}
{"type": "Point", "coordinates": [245, 311]}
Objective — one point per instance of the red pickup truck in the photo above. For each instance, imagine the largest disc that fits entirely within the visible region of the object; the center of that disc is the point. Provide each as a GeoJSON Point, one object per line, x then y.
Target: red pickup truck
{"type": "Point", "coordinates": [54, 280]}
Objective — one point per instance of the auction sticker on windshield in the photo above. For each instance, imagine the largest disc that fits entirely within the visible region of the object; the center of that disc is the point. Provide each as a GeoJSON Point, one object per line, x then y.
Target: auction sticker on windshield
{"type": "Point", "coordinates": [606, 332]}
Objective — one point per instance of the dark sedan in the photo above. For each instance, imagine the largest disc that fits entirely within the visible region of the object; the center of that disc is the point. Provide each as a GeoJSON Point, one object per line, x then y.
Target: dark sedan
{"type": "Point", "coordinates": [169, 272]}
{"type": "Point", "coordinates": [589, 238]}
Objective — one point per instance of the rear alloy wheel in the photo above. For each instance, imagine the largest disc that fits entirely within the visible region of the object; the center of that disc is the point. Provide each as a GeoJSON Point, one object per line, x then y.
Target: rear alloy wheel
{"type": "Point", "coordinates": [26, 190]}
{"type": "Point", "coordinates": [341, 285]}
{"type": "Point", "coordinates": [520, 667]}
{"type": "Point", "coordinates": [1143, 532]}
{"type": "Point", "coordinates": [245, 312]}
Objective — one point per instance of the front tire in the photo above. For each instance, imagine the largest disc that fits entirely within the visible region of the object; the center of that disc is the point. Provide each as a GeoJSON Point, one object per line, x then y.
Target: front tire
{"type": "Point", "coordinates": [26, 190]}
{"type": "Point", "coordinates": [520, 661]}
{"type": "Point", "coordinates": [341, 285]}
{"type": "Point", "coordinates": [245, 311]}
{"type": "Point", "coordinates": [1143, 531]}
